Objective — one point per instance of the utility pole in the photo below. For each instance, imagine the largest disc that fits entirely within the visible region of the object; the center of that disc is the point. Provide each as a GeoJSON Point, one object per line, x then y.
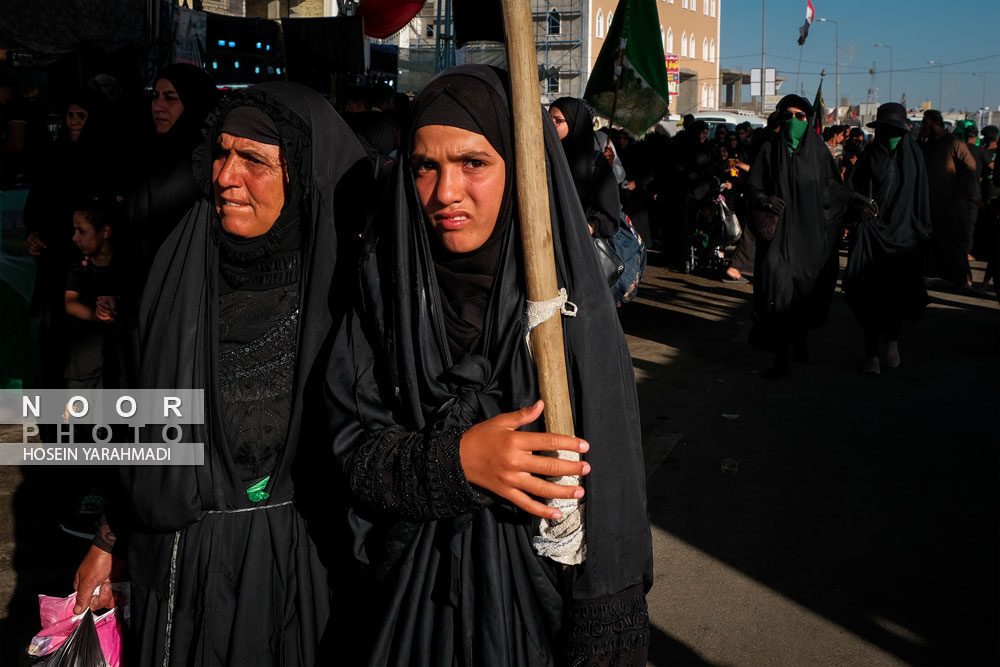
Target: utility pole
{"type": "Point", "coordinates": [983, 105]}
{"type": "Point", "coordinates": [940, 83]}
{"type": "Point", "coordinates": [886, 46]}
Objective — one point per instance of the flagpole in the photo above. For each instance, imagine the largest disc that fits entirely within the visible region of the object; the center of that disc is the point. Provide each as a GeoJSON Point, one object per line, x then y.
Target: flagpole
{"type": "Point", "coordinates": [763, 75]}
{"type": "Point", "coordinates": [798, 69]}
{"type": "Point", "coordinates": [618, 77]}
{"type": "Point", "coordinates": [533, 207]}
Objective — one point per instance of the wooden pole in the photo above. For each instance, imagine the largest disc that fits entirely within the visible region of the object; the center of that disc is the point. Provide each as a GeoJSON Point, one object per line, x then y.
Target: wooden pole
{"type": "Point", "coordinates": [533, 207]}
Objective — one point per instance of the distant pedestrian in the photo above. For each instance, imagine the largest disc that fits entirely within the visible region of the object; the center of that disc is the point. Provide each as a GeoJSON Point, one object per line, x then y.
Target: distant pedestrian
{"type": "Point", "coordinates": [797, 203]}
{"type": "Point", "coordinates": [883, 280]}
{"type": "Point", "coordinates": [951, 173]}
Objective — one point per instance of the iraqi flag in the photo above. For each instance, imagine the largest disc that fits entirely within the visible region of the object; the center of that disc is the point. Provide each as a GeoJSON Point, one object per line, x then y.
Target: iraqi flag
{"type": "Point", "coordinates": [804, 30]}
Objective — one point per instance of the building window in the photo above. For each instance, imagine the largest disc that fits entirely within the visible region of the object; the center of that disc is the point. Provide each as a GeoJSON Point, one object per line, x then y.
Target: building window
{"type": "Point", "coordinates": [611, 15]}
{"type": "Point", "coordinates": [704, 49]}
{"type": "Point", "coordinates": [670, 1]}
{"type": "Point", "coordinates": [704, 7]}
{"type": "Point", "coordinates": [663, 38]}
{"type": "Point", "coordinates": [429, 30]}
{"type": "Point", "coordinates": [684, 4]}
{"type": "Point", "coordinates": [555, 23]}
{"type": "Point", "coordinates": [670, 40]}
{"type": "Point", "coordinates": [704, 96]}
{"type": "Point", "coordinates": [553, 84]}
{"type": "Point", "coordinates": [711, 51]}
{"type": "Point", "coordinates": [713, 9]}
{"type": "Point", "coordinates": [684, 44]}
{"type": "Point", "coordinates": [711, 97]}
{"type": "Point", "coordinates": [694, 5]}
{"type": "Point", "coordinates": [599, 24]}
{"type": "Point", "coordinates": [691, 51]}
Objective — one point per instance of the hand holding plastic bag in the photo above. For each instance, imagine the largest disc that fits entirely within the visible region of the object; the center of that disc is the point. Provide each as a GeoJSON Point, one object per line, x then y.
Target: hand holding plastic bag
{"type": "Point", "coordinates": [82, 640]}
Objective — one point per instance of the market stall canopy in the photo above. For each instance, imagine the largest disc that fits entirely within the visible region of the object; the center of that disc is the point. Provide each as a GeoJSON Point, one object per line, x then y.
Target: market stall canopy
{"type": "Point", "coordinates": [384, 18]}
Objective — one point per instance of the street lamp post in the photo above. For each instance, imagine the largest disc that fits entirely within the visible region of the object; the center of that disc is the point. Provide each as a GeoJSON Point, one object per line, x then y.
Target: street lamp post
{"type": "Point", "coordinates": [886, 46]}
{"type": "Point", "coordinates": [836, 67]}
{"type": "Point", "coordinates": [940, 83]}
{"type": "Point", "coordinates": [983, 105]}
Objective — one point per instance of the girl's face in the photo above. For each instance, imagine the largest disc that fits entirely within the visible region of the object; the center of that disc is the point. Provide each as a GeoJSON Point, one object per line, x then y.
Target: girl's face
{"type": "Point", "coordinates": [76, 118]}
{"type": "Point", "coordinates": [87, 238]}
{"type": "Point", "coordinates": [460, 180]}
{"type": "Point", "coordinates": [166, 107]}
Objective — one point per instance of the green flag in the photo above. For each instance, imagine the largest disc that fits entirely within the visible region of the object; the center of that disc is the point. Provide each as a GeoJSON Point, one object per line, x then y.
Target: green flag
{"type": "Point", "coordinates": [818, 110]}
{"type": "Point", "coordinates": [642, 84]}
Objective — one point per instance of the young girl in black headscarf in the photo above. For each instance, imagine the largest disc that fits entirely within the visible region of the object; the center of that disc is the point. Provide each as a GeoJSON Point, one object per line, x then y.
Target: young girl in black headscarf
{"type": "Point", "coordinates": [434, 402]}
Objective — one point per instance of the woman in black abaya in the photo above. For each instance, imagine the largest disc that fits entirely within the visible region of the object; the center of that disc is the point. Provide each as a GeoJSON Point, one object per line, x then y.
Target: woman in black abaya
{"type": "Point", "coordinates": [798, 203]}
{"type": "Point", "coordinates": [228, 560]}
{"type": "Point", "coordinates": [424, 385]}
{"type": "Point", "coordinates": [883, 282]}
{"type": "Point", "coordinates": [594, 178]}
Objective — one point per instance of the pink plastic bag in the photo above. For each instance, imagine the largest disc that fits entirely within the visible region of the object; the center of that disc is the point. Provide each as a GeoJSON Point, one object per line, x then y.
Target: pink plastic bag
{"type": "Point", "coordinates": [58, 622]}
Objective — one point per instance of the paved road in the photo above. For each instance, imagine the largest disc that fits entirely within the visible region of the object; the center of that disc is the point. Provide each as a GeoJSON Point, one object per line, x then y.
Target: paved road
{"type": "Point", "coordinates": [858, 522]}
{"type": "Point", "coordinates": [861, 524]}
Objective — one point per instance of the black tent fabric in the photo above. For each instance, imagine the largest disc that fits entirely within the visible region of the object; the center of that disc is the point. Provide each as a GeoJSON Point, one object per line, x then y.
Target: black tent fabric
{"type": "Point", "coordinates": [49, 29]}
{"type": "Point", "coordinates": [318, 47]}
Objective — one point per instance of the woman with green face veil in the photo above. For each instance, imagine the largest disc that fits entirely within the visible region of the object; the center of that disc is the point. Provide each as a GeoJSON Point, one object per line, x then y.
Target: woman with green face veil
{"type": "Point", "coordinates": [883, 281]}
{"type": "Point", "coordinates": [798, 203]}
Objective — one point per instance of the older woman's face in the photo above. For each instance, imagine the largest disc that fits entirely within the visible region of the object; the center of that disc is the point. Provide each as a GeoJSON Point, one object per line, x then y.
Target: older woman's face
{"type": "Point", "coordinates": [248, 180]}
{"type": "Point", "coordinates": [76, 118]}
{"type": "Point", "coordinates": [460, 180]}
{"type": "Point", "coordinates": [559, 120]}
{"type": "Point", "coordinates": [166, 107]}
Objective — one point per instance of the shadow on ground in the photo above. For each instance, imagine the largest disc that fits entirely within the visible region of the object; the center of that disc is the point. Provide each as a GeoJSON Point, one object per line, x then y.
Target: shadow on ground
{"type": "Point", "coordinates": [869, 501]}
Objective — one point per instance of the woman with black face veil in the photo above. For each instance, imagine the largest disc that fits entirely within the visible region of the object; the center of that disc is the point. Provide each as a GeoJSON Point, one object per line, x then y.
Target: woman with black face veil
{"type": "Point", "coordinates": [228, 560]}
{"type": "Point", "coordinates": [592, 173]}
{"type": "Point", "coordinates": [883, 280]}
{"type": "Point", "coordinates": [430, 383]}
{"type": "Point", "coordinates": [797, 203]}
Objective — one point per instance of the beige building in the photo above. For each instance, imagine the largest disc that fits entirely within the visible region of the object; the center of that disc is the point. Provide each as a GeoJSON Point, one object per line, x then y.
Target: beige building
{"type": "Point", "coordinates": [689, 29]}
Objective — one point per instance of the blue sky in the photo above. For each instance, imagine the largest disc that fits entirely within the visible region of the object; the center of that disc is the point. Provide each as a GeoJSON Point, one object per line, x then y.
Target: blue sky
{"type": "Point", "coordinates": [919, 30]}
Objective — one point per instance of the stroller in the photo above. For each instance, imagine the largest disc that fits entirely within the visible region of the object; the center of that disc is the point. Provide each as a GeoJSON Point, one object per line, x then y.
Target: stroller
{"type": "Point", "coordinates": [711, 227]}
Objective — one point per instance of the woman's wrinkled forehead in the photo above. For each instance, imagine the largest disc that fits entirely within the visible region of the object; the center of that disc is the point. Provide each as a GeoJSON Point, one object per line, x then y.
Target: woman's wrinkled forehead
{"type": "Point", "coordinates": [466, 103]}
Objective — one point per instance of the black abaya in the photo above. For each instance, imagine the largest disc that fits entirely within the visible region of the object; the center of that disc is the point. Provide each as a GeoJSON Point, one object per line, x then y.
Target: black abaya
{"type": "Point", "coordinates": [460, 580]}
{"type": "Point", "coordinates": [796, 271]}
{"type": "Point", "coordinates": [593, 176]}
{"type": "Point", "coordinates": [883, 281]}
{"type": "Point", "coordinates": [218, 578]}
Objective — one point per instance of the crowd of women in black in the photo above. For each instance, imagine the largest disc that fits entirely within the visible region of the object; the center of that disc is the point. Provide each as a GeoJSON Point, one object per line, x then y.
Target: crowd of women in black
{"type": "Point", "coordinates": [349, 292]}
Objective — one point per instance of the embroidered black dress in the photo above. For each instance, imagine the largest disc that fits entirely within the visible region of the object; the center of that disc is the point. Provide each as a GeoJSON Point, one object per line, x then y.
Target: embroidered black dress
{"type": "Point", "coordinates": [222, 576]}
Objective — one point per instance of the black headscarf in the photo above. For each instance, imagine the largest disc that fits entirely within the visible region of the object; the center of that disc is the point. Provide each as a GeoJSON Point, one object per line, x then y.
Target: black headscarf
{"type": "Point", "coordinates": [465, 278]}
{"type": "Point", "coordinates": [272, 258]}
{"type": "Point", "coordinates": [179, 327]}
{"type": "Point", "coordinates": [465, 585]}
{"type": "Point", "coordinates": [593, 176]}
{"type": "Point", "coordinates": [198, 93]}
